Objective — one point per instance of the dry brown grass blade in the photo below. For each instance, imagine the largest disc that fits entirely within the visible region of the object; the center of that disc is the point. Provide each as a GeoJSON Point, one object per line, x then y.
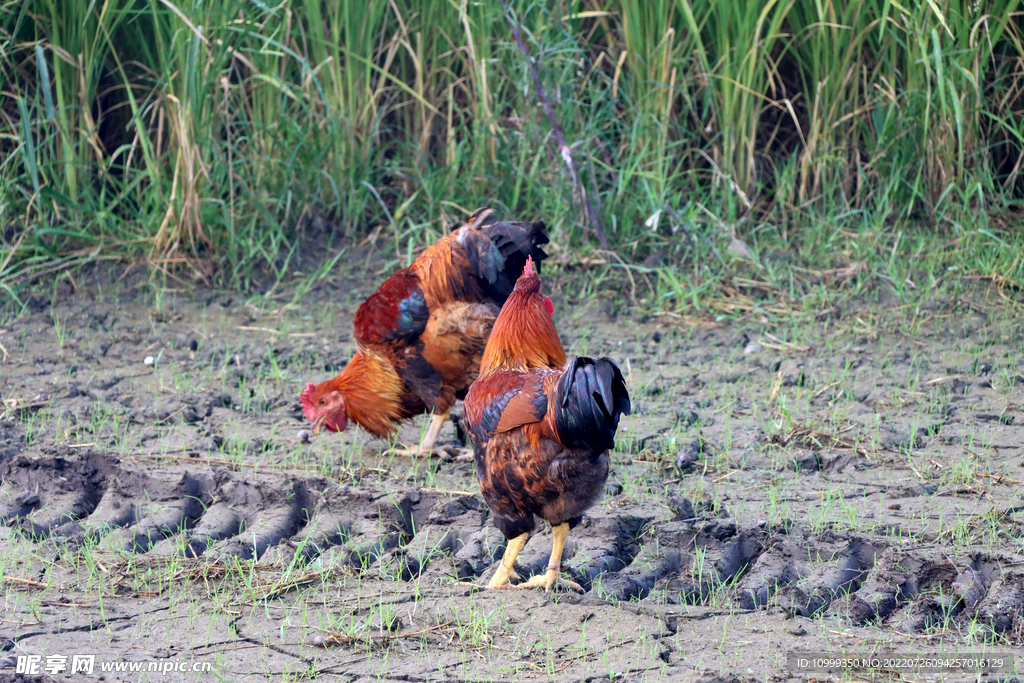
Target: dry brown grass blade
{"type": "Point", "coordinates": [998, 478]}
{"type": "Point", "coordinates": [805, 437]}
{"type": "Point", "coordinates": [26, 582]}
{"type": "Point", "coordinates": [776, 388]}
{"type": "Point", "coordinates": [687, 320]}
{"type": "Point", "coordinates": [336, 639]}
{"type": "Point", "coordinates": [842, 275]}
{"type": "Point", "coordinates": [283, 586]}
{"type": "Point", "coordinates": [14, 250]}
{"type": "Point", "coordinates": [18, 404]}
{"type": "Point", "coordinates": [782, 344]}
{"type": "Point", "coordinates": [181, 223]}
{"type": "Point", "coordinates": [447, 492]}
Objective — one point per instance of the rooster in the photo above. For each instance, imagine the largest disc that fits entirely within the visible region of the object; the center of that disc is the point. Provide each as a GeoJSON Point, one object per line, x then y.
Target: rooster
{"type": "Point", "coordinates": [541, 428]}
{"type": "Point", "coordinates": [420, 336]}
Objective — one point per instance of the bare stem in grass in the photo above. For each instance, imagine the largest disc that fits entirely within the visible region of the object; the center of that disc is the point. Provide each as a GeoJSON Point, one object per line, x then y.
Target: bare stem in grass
{"type": "Point", "coordinates": [556, 128]}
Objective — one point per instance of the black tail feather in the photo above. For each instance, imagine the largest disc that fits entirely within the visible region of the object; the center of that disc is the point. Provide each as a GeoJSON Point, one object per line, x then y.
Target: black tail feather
{"type": "Point", "coordinates": [592, 396]}
{"type": "Point", "coordinates": [500, 258]}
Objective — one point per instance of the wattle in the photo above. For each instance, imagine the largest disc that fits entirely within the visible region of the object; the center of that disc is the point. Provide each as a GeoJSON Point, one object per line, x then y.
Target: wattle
{"type": "Point", "coordinates": [336, 423]}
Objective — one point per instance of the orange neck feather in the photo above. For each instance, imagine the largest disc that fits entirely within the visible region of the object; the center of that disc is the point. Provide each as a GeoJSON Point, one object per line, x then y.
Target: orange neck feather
{"type": "Point", "coordinates": [372, 391]}
{"type": "Point", "coordinates": [523, 337]}
{"type": "Point", "coordinates": [440, 268]}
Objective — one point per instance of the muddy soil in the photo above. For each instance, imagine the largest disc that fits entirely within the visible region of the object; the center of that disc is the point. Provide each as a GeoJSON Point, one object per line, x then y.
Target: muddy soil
{"type": "Point", "coordinates": [838, 486]}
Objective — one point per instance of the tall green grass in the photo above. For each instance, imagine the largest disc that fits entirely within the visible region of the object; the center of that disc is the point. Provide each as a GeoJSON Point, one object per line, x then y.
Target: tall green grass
{"type": "Point", "coordinates": [209, 137]}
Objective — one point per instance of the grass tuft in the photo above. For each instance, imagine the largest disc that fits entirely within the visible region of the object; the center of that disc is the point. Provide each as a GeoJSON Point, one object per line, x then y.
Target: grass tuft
{"type": "Point", "coordinates": [211, 139]}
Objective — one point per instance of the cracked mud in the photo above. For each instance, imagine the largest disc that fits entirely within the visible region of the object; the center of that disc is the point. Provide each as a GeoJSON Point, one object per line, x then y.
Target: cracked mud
{"type": "Point", "coordinates": [819, 486]}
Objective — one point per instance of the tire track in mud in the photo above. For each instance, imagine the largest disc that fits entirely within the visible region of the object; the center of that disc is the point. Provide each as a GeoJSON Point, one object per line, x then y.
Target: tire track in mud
{"type": "Point", "coordinates": [402, 534]}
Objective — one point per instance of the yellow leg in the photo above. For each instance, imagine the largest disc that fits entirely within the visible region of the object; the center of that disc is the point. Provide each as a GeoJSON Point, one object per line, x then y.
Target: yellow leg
{"type": "Point", "coordinates": [436, 423]}
{"type": "Point", "coordinates": [500, 579]}
{"type": "Point", "coordinates": [559, 534]}
{"type": "Point", "coordinates": [426, 447]}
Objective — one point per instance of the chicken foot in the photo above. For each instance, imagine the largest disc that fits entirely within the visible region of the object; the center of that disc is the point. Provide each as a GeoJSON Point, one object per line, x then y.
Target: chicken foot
{"type": "Point", "coordinates": [426, 447]}
{"type": "Point", "coordinates": [551, 577]}
{"type": "Point", "coordinates": [500, 580]}
{"type": "Point", "coordinates": [547, 580]}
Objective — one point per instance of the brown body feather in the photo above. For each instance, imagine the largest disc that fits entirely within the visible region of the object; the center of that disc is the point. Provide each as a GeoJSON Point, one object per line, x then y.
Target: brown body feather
{"type": "Point", "coordinates": [532, 414]}
{"type": "Point", "coordinates": [522, 467]}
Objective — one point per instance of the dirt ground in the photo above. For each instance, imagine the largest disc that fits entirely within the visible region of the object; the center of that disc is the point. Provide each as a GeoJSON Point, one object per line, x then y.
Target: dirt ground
{"type": "Point", "coordinates": [841, 486]}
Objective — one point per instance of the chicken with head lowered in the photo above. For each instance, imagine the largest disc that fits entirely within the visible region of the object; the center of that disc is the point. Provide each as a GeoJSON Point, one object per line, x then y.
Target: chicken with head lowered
{"type": "Point", "coordinates": [420, 337]}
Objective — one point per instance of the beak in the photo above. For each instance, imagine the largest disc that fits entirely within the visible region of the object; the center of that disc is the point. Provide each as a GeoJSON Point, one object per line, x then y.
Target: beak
{"type": "Point", "coordinates": [318, 423]}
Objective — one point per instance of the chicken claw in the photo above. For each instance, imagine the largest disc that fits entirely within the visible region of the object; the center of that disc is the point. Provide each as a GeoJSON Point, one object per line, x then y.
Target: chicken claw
{"type": "Point", "coordinates": [416, 452]}
{"type": "Point", "coordinates": [549, 580]}
{"type": "Point", "coordinates": [559, 533]}
{"type": "Point", "coordinates": [446, 453]}
{"type": "Point", "coordinates": [456, 454]}
{"type": "Point", "coordinates": [426, 448]}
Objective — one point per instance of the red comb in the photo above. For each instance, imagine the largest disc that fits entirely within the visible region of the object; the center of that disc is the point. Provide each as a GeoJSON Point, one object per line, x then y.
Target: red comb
{"type": "Point", "coordinates": [528, 270]}
{"type": "Point", "coordinates": [306, 398]}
